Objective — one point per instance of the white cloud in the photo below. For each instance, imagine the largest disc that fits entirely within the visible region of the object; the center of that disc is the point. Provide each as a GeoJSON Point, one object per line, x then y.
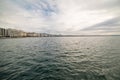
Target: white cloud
{"type": "Point", "coordinates": [57, 16]}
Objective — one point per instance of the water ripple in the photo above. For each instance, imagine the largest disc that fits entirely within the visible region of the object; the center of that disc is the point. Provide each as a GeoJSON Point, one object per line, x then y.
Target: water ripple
{"type": "Point", "coordinates": [60, 59]}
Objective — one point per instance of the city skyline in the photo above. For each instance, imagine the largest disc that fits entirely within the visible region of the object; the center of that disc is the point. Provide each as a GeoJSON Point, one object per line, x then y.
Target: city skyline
{"type": "Point", "coordinates": [80, 17]}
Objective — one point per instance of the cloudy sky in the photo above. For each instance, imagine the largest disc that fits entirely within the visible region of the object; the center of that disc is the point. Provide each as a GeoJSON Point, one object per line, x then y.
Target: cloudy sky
{"type": "Point", "coordinates": [62, 16]}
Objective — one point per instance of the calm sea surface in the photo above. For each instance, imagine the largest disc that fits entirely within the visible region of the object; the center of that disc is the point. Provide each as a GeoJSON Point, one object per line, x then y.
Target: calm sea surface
{"type": "Point", "coordinates": [60, 58]}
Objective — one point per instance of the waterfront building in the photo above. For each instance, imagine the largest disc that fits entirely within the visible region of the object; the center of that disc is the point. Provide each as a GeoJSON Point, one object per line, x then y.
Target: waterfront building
{"type": "Point", "coordinates": [0, 32]}
{"type": "Point", "coordinates": [3, 32]}
{"type": "Point", "coordinates": [16, 33]}
{"type": "Point", "coordinates": [19, 33]}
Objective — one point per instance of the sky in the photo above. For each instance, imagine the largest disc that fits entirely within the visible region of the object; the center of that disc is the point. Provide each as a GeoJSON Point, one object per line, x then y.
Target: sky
{"type": "Point", "coordinates": [62, 16]}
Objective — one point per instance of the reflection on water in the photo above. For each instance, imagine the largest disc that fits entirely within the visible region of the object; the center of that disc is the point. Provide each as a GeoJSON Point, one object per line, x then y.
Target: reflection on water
{"type": "Point", "coordinates": [62, 58]}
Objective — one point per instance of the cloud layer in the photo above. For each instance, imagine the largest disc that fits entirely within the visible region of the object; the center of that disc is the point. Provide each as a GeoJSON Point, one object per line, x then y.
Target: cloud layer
{"type": "Point", "coordinates": [62, 16]}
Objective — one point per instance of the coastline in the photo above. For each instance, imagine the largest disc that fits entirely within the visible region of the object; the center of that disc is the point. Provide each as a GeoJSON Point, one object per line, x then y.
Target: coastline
{"type": "Point", "coordinates": [61, 36]}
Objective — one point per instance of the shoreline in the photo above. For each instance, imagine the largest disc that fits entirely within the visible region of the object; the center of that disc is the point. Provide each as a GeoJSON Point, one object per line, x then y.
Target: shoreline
{"type": "Point", "coordinates": [62, 36]}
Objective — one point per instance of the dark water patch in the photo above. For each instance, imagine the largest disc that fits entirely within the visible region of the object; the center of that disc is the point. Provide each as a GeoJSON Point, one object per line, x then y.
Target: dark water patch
{"type": "Point", "coordinates": [5, 64]}
{"type": "Point", "coordinates": [9, 51]}
{"type": "Point", "coordinates": [6, 74]}
{"type": "Point", "coordinates": [72, 52]}
{"type": "Point", "coordinates": [20, 76]}
{"type": "Point", "coordinates": [6, 51]}
{"type": "Point", "coordinates": [25, 63]}
{"type": "Point", "coordinates": [46, 60]}
{"type": "Point", "coordinates": [49, 77]}
{"type": "Point", "coordinates": [48, 54]}
{"type": "Point", "coordinates": [20, 57]}
{"type": "Point", "coordinates": [42, 51]}
{"type": "Point", "coordinates": [57, 50]}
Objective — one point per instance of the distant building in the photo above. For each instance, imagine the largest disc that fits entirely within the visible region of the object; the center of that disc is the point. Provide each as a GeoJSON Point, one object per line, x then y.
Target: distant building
{"type": "Point", "coordinates": [32, 34]}
{"type": "Point", "coordinates": [19, 33]}
{"type": "Point", "coordinates": [23, 34]}
{"type": "Point", "coordinates": [0, 32]}
{"type": "Point", "coordinates": [16, 33]}
{"type": "Point", "coordinates": [3, 32]}
{"type": "Point", "coordinates": [44, 35]}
